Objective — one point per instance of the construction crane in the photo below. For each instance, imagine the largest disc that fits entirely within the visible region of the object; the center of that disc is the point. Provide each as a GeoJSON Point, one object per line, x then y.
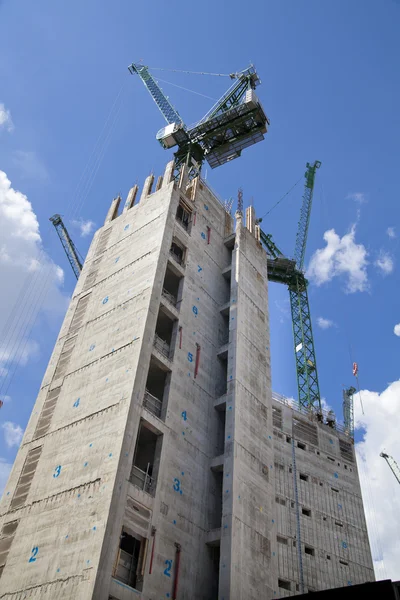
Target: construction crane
{"type": "Point", "coordinates": [348, 410]}
{"type": "Point", "coordinates": [236, 121]}
{"type": "Point", "coordinates": [68, 244]}
{"type": "Point", "coordinates": [291, 272]}
{"type": "Point", "coordinates": [394, 467]}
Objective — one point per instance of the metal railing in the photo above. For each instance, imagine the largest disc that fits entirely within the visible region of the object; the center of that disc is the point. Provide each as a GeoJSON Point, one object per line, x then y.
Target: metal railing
{"type": "Point", "coordinates": [169, 296]}
{"type": "Point", "coordinates": [311, 414]}
{"type": "Point", "coordinates": [176, 257]}
{"type": "Point", "coordinates": [142, 480]}
{"type": "Point", "coordinates": [153, 404]}
{"type": "Point", "coordinates": [161, 346]}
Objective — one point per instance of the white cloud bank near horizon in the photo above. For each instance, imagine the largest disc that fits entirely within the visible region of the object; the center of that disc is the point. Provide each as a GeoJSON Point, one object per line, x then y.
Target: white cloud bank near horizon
{"type": "Point", "coordinates": [381, 492]}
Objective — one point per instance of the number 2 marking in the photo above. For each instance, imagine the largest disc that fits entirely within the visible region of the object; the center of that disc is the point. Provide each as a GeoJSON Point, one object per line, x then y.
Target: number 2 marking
{"type": "Point", "coordinates": [167, 571]}
{"type": "Point", "coordinates": [34, 551]}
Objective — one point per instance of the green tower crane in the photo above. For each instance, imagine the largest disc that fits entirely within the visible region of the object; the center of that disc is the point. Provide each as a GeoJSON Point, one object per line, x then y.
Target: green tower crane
{"type": "Point", "coordinates": [291, 272]}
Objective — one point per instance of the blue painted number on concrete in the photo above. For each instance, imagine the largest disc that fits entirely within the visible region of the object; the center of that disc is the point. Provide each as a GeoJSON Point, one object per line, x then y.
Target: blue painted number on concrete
{"type": "Point", "coordinates": [177, 485]}
{"type": "Point", "coordinates": [76, 403]}
{"type": "Point", "coordinates": [92, 347]}
{"type": "Point", "coordinates": [344, 545]}
{"type": "Point", "coordinates": [190, 357]}
{"type": "Point", "coordinates": [105, 300]}
{"type": "Point", "coordinates": [57, 471]}
{"type": "Point", "coordinates": [195, 310]}
{"type": "Point", "coordinates": [184, 416]}
{"type": "Point", "coordinates": [34, 551]}
{"type": "Point", "coordinates": [126, 227]}
{"type": "Point", "coordinates": [167, 570]}
{"type": "Point", "coordinates": [199, 268]}
{"type": "Point", "coordinates": [203, 235]}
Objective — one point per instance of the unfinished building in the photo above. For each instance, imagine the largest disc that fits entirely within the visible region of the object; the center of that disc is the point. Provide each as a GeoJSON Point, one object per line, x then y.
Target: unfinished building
{"type": "Point", "coordinates": [157, 463]}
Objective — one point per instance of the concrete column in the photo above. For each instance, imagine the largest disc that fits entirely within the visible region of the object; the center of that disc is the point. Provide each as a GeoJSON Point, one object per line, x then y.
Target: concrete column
{"type": "Point", "coordinates": [113, 210]}
{"type": "Point", "coordinates": [168, 174]}
{"type": "Point", "coordinates": [130, 201]}
{"type": "Point", "coordinates": [148, 184]}
{"type": "Point", "coordinates": [251, 219]}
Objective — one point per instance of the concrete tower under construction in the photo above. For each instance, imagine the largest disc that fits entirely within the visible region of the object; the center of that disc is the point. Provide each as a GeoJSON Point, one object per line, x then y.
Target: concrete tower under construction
{"type": "Point", "coordinates": [157, 462]}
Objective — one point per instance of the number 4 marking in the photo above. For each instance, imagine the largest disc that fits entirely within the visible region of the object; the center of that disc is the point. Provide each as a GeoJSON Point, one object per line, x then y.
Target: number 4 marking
{"type": "Point", "coordinates": [167, 571]}
{"type": "Point", "coordinates": [34, 551]}
{"type": "Point", "coordinates": [76, 403]}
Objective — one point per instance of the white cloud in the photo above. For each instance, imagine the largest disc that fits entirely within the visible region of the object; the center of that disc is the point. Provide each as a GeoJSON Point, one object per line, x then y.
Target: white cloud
{"type": "Point", "coordinates": [391, 232]}
{"type": "Point", "coordinates": [324, 323]}
{"type": "Point", "coordinates": [85, 227]}
{"type": "Point", "coordinates": [30, 165]}
{"type": "Point", "coordinates": [325, 406]}
{"type": "Point", "coordinates": [5, 398]}
{"type": "Point", "coordinates": [379, 486]}
{"type": "Point", "coordinates": [5, 119]}
{"type": "Point", "coordinates": [384, 263]}
{"type": "Point", "coordinates": [340, 257]}
{"type": "Point", "coordinates": [396, 329]}
{"type": "Point", "coordinates": [13, 434]}
{"type": "Point", "coordinates": [33, 280]}
{"type": "Point", "coordinates": [5, 469]}
{"type": "Point", "coordinates": [357, 197]}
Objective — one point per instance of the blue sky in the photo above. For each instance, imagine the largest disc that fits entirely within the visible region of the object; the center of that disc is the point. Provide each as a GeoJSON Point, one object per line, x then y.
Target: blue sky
{"type": "Point", "coordinates": [331, 89]}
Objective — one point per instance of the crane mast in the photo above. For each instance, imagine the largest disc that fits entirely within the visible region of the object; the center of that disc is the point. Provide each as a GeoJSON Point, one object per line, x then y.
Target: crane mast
{"type": "Point", "coordinates": [394, 467]}
{"type": "Point", "coordinates": [290, 272]}
{"type": "Point", "coordinates": [348, 410]}
{"type": "Point", "coordinates": [68, 244]}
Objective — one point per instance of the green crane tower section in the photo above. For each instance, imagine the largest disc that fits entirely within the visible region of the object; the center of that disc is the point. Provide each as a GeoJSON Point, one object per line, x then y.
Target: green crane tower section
{"type": "Point", "coordinates": [290, 272]}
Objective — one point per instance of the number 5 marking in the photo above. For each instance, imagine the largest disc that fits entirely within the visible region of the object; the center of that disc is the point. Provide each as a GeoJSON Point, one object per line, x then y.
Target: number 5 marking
{"type": "Point", "coordinates": [34, 551]}
{"type": "Point", "coordinates": [168, 569]}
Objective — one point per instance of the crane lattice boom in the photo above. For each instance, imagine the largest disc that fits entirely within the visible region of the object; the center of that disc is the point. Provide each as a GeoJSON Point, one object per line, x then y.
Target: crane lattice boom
{"type": "Point", "coordinates": [392, 464]}
{"type": "Point", "coordinates": [305, 213]}
{"type": "Point", "coordinates": [68, 244]}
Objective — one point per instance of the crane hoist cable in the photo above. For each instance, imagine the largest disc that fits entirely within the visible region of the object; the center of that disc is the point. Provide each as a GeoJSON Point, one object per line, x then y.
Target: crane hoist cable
{"type": "Point", "coordinates": [231, 75]}
{"type": "Point", "coordinates": [186, 89]}
{"type": "Point", "coordinates": [280, 200]}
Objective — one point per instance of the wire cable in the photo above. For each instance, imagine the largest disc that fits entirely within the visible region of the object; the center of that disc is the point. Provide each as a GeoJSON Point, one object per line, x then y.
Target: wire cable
{"type": "Point", "coordinates": [283, 197]}
{"type": "Point", "coordinates": [193, 72]}
{"type": "Point", "coordinates": [187, 89]}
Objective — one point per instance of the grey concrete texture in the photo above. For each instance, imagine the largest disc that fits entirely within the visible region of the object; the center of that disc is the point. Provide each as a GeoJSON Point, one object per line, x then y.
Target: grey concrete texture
{"type": "Point", "coordinates": [212, 503]}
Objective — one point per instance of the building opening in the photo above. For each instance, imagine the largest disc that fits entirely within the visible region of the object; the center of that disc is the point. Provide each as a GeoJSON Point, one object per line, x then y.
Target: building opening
{"type": "Point", "coordinates": [172, 286]}
{"type": "Point", "coordinates": [156, 389]}
{"type": "Point", "coordinates": [130, 556]}
{"type": "Point", "coordinates": [146, 460]}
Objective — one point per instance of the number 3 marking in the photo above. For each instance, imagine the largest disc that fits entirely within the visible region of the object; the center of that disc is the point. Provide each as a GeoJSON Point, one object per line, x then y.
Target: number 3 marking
{"type": "Point", "coordinates": [34, 551]}
{"type": "Point", "coordinates": [177, 485]}
{"type": "Point", "coordinates": [168, 569]}
{"type": "Point", "coordinates": [57, 471]}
